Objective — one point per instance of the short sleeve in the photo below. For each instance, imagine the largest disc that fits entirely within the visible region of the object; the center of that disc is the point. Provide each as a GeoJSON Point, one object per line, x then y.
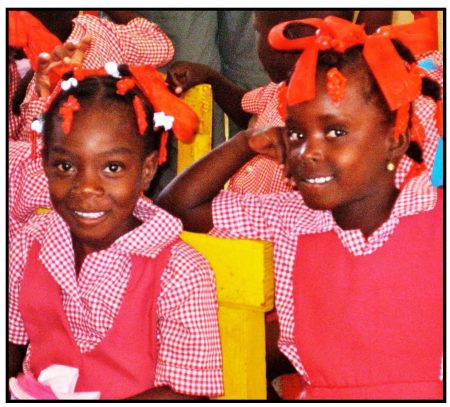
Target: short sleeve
{"type": "Point", "coordinates": [138, 42]}
{"type": "Point", "coordinates": [253, 102]}
{"type": "Point", "coordinates": [243, 216]}
{"type": "Point", "coordinates": [189, 353]}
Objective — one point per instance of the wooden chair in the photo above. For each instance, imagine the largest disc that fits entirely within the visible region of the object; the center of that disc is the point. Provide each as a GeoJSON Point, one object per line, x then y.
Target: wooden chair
{"type": "Point", "coordinates": [245, 291]}
{"type": "Point", "coordinates": [244, 278]}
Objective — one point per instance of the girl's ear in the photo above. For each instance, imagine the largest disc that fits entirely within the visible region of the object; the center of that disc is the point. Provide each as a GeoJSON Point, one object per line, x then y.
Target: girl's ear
{"type": "Point", "coordinates": [149, 169]}
{"type": "Point", "coordinates": [399, 145]}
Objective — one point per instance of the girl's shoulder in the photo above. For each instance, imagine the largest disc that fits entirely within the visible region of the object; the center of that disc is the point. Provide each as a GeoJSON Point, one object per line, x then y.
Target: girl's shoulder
{"type": "Point", "coordinates": [185, 258]}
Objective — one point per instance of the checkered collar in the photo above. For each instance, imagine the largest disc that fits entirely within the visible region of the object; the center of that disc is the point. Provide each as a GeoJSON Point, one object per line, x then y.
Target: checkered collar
{"type": "Point", "coordinates": [158, 229]}
{"type": "Point", "coordinates": [417, 196]}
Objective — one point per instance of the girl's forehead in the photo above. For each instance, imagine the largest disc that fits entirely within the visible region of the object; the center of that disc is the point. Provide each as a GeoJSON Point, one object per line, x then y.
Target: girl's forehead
{"type": "Point", "coordinates": [96, 127]}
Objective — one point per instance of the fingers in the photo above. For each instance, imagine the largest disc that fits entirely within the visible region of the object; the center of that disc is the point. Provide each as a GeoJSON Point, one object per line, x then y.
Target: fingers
{"type": "Point", "coordinates": [178, 80]}
{"type": "Point", "coordinates": [80, 50]}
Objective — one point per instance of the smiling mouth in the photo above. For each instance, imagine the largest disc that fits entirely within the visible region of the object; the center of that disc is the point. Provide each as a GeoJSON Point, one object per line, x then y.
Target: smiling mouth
{"type": "Point", "coordinates": [90, 215]}
{"type": "Point", "coordinates": [318, 180]}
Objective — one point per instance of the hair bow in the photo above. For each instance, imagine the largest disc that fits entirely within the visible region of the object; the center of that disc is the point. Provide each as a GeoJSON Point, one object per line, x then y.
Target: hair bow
{"type": "Point", "coordinates": [27, 32]}
{"type": "Point", "coordinates": [399, 83]}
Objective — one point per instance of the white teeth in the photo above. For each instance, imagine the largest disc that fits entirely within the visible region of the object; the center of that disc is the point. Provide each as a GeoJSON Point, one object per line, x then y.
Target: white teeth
{"type": "Point", "coordinates": [90, 215]}
{"type": "Point", "coordinates": [320, 180]}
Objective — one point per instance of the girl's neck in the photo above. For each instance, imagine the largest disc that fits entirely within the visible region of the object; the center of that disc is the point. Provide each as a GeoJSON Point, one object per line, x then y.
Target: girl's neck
{"type": "Point", "coordinates": [366, 215]}
{"type": "Point", "coordinates": [82, 248]}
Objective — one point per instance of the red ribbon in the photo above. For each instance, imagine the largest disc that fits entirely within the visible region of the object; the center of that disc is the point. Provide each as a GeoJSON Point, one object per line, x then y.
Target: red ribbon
{"type": "Point", "coordinates": [152, 84]}
{"type": "Point", "coordinates": [27, 32]}
{"type": "Point", "coordinates": [399, 83]}
{"type": "Point", "coordinates": [66, 111]}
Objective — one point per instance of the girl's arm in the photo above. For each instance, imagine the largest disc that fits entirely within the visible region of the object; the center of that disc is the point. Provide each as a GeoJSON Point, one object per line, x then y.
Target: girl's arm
{"type": "Point", "coordinates": [183, 75]}
{"type": "Point", "coordinates": [189, 196]}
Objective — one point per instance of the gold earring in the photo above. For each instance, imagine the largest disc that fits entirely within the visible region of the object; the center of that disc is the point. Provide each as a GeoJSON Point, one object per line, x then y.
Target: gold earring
{"type": "Point", "coordinates": [390, 166]}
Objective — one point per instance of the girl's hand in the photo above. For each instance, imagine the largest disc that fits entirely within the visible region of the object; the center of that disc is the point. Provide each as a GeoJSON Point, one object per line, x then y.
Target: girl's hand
{"type": "Point", "coordinates": [269, 142]}
{"type": "Point", "coordinates": [64, 56]}
{"type": "Point", "coordinates": [183, 75]}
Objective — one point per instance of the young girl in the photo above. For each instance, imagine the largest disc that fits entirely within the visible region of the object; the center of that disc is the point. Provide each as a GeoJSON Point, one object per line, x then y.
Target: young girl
{"type": "Point", "coordinates": [103, 283]}
{"type": "Point", "coordinates": [259, 107]}
{"type": "Point", "coordinates": [358, 263]}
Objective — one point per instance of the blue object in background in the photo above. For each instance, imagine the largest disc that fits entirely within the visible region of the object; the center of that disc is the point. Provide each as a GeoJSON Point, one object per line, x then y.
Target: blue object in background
{"type": "Point", "coordinates": [437, 173]}
{"type": "Point", "coordinates": [427, 64]}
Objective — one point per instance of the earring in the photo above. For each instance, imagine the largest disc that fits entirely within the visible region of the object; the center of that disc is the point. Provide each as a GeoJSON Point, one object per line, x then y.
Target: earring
{"type": "Point", "coordinates": [390, 166]}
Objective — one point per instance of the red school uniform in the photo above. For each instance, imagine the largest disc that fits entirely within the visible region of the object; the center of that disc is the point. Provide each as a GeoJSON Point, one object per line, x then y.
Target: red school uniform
{"type": "Point", "coordinates": [284, 219]}
{"type": "Point", "coordinates": [261, 175]}
{"type": "Point", "coordinates": [174, 337]}
{"type": "Point", "coordinates": [138, 42]}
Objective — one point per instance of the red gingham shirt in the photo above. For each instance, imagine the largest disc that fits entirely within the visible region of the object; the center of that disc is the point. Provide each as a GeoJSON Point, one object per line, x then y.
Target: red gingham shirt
{"type": "Point", "coordinates": [261, 175]}
{"type": "Point", "coordinates": [13, 82]}
{"type": "Point", "coordinates": [281, 218]}
{"type": "Point", "coordinates": [138, 42]}
{"type": "Point", "coordinates": [186, 306]}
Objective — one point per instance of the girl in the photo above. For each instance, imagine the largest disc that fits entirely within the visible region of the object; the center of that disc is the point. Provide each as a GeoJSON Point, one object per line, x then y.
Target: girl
{"type": "Point", "coordinates": [105, 284]}
{"type": "Point", "coordinates": [359, 300]}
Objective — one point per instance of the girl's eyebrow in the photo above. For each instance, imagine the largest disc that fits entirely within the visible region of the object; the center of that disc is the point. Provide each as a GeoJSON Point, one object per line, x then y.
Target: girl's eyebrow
{"type": "Point", "coordinates": [117, 150]}
{"type": "Point", "coordinates": [59, 149]}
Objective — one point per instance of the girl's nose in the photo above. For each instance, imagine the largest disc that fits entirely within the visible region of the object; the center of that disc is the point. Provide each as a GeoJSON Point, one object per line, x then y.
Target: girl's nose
{"type": "Point", "coordinates": [89, 183]}
{"type": "Point", "coordinates": [312, 148]}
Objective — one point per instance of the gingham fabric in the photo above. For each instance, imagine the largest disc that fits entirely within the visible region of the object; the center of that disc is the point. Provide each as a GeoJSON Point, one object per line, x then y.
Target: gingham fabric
{"type": "Point", "coordinates": [281, 218]}
{"type": "Point", "coordinates": [138, 42]}
{"type": "Point", "coordinates": [189, 353]}
{"type": "Point", "coordinates": [261, 175]}
{"type": "Point", "coordinates": [27, 186]}
{"type": "Point", "coordinates": [13, 82]}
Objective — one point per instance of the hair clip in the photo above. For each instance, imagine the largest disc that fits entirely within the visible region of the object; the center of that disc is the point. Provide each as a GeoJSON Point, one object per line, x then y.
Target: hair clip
{"type": "Point", "coordinates": [141, 116]}
{"type": "Point", "coordinates": [112, 68]}
{"type": "Point", "coordinates": [401, 120]}
{"type": "Point", "coordinates": [66, 111]}
{"type": "Point", "coordinates": [124, 85]}
{"type": "Point", "coordinates": [336, 85]}
{"type": "Point", "coordinates": [160, 119]}
{"type": "Point", "coordinates": [37, 125]}
{"type": "Point", "coordinates": [69, 83]}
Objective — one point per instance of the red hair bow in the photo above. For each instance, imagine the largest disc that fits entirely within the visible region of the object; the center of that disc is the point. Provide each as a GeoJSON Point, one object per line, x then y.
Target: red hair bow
{"type": "Point", "coordinates": [152, 84]}
{"type": "Point", "coordinates": [398, 83]}
{"type": "Point", "coordinates": [27, 32]}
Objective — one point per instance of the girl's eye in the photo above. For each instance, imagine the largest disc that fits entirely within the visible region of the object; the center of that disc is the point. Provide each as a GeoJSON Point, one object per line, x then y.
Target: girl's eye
{"type": "Point", "coordinates": [336, 133]}
{"type": "Point", "coordinates": [113, 168]}
{"type": "Point", "coordinates": [64, 166]}
{"type": "Point", "coordinates": [295, 135]}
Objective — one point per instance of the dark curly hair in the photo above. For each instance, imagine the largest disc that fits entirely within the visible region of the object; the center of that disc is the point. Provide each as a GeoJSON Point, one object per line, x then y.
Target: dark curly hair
{"type": "Point", "coordinates": [101, 91]}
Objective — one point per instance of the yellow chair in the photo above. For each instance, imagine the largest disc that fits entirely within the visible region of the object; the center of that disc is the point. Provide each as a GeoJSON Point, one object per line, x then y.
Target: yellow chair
{"type": "Point", "coordinates": [244, 279]}
{"type": "Point", "coordinates": [200, 99]}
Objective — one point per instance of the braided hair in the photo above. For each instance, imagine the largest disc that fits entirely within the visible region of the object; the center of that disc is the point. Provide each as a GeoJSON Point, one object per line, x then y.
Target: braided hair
{"type": "Point", "coordinates": [101, 91]}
